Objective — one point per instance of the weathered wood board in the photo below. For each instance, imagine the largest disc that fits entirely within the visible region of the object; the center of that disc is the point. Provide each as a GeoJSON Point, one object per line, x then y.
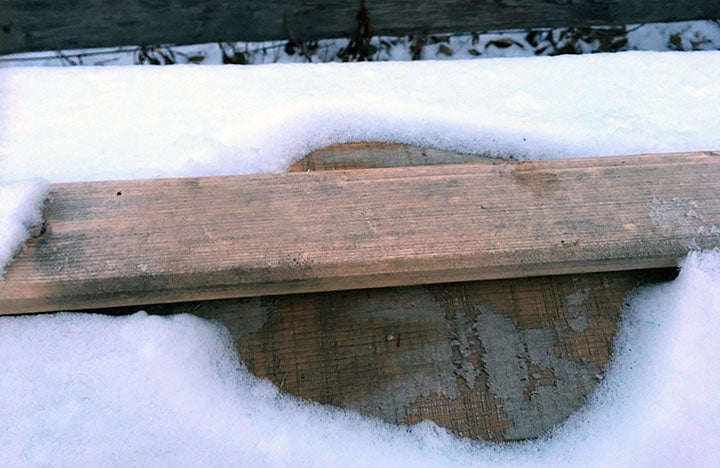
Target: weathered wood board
{"type": "Point", "coordinates": [140, 242]}
{"type": "Point", "coordinates": [62, 24]}
{"type": "Point", "coordinates": [496, 360]}
{"type": "Point", "coordinates": [371, 155]}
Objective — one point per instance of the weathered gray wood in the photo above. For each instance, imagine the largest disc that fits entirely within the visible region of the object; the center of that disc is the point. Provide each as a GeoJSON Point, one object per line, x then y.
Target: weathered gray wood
{"type": "Point", "coordinates": [436, 352]}
{"type": "Point", "coordinates": [148, 241]}
{"type": "Point", "coordinates": [60, 24]}
{"type": "Point", "coordinates": [496, 360]}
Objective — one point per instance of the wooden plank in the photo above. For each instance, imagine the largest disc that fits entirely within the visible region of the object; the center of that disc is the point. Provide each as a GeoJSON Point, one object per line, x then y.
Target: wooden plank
{"type": "Point", "coordinates": [368, 155]}
{"type": "Point", "coordinates": [417, 353]}
{"type": "Point", "coordinates": [139, 242]}
{"type": "Point", "coordinates": [496, 360]}
{"type": "Point", "coordinates": [63, 24]}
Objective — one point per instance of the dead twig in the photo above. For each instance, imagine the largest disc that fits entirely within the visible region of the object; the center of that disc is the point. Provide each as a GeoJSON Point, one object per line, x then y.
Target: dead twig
{"type": "Point", "coordinates": [359, 48]}
{"type": "Point", "coordinates": [154, 55]}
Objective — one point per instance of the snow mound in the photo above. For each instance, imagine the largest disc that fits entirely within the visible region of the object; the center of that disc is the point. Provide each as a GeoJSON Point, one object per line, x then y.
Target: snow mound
{"type": "Point", "coordinates": [110, 123]}
{"type": "Point", "coordinates": [20, 209]}
{"type": "Point", "coordinates": [83, 390]}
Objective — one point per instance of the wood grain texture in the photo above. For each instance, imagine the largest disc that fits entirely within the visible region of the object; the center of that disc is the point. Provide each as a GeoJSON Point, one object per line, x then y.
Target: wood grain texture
{"type": "Point", "coordinates": [62, 24]}
{"type": "Point", "coordinates": [498, 360]}
{"type": "Point", "coordinates": [437, 352]}
{"type": "Point", "coordinates": [372, 155]}
{"type": "Point", "coordinates": [140, 242]}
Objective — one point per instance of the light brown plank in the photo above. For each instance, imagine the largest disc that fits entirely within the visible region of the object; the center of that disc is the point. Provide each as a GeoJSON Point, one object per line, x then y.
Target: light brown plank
{"type": "Point", "coordinates": [192, 239]}
{"type": "Point", "coordinates": [412, 353]}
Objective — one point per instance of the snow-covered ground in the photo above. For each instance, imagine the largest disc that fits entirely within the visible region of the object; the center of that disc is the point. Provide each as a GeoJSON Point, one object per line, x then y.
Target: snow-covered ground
{"type": "Point", "coordinates": [677, 36]}
{"type": "Point", "coordinates": [85, 389]}
{"type": "Point", "coordinates": [90, 123]}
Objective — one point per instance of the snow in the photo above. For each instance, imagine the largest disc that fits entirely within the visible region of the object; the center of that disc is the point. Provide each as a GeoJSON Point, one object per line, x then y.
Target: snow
{"type": "Point", "coordinates": [84, 390]}
{"type": "Point", "coordinates": [676, 36]}
{"type": "Point", "coordinates": [20, 210]}
{"type": "Point", "coordinates": [86, 123]}
{"type": "Point", "coordinates": [81, 389]}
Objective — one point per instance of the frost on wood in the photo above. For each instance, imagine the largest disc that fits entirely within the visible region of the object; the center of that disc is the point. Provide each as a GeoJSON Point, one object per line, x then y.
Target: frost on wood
{"type": "Point", "coordinates": [170, 390]}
